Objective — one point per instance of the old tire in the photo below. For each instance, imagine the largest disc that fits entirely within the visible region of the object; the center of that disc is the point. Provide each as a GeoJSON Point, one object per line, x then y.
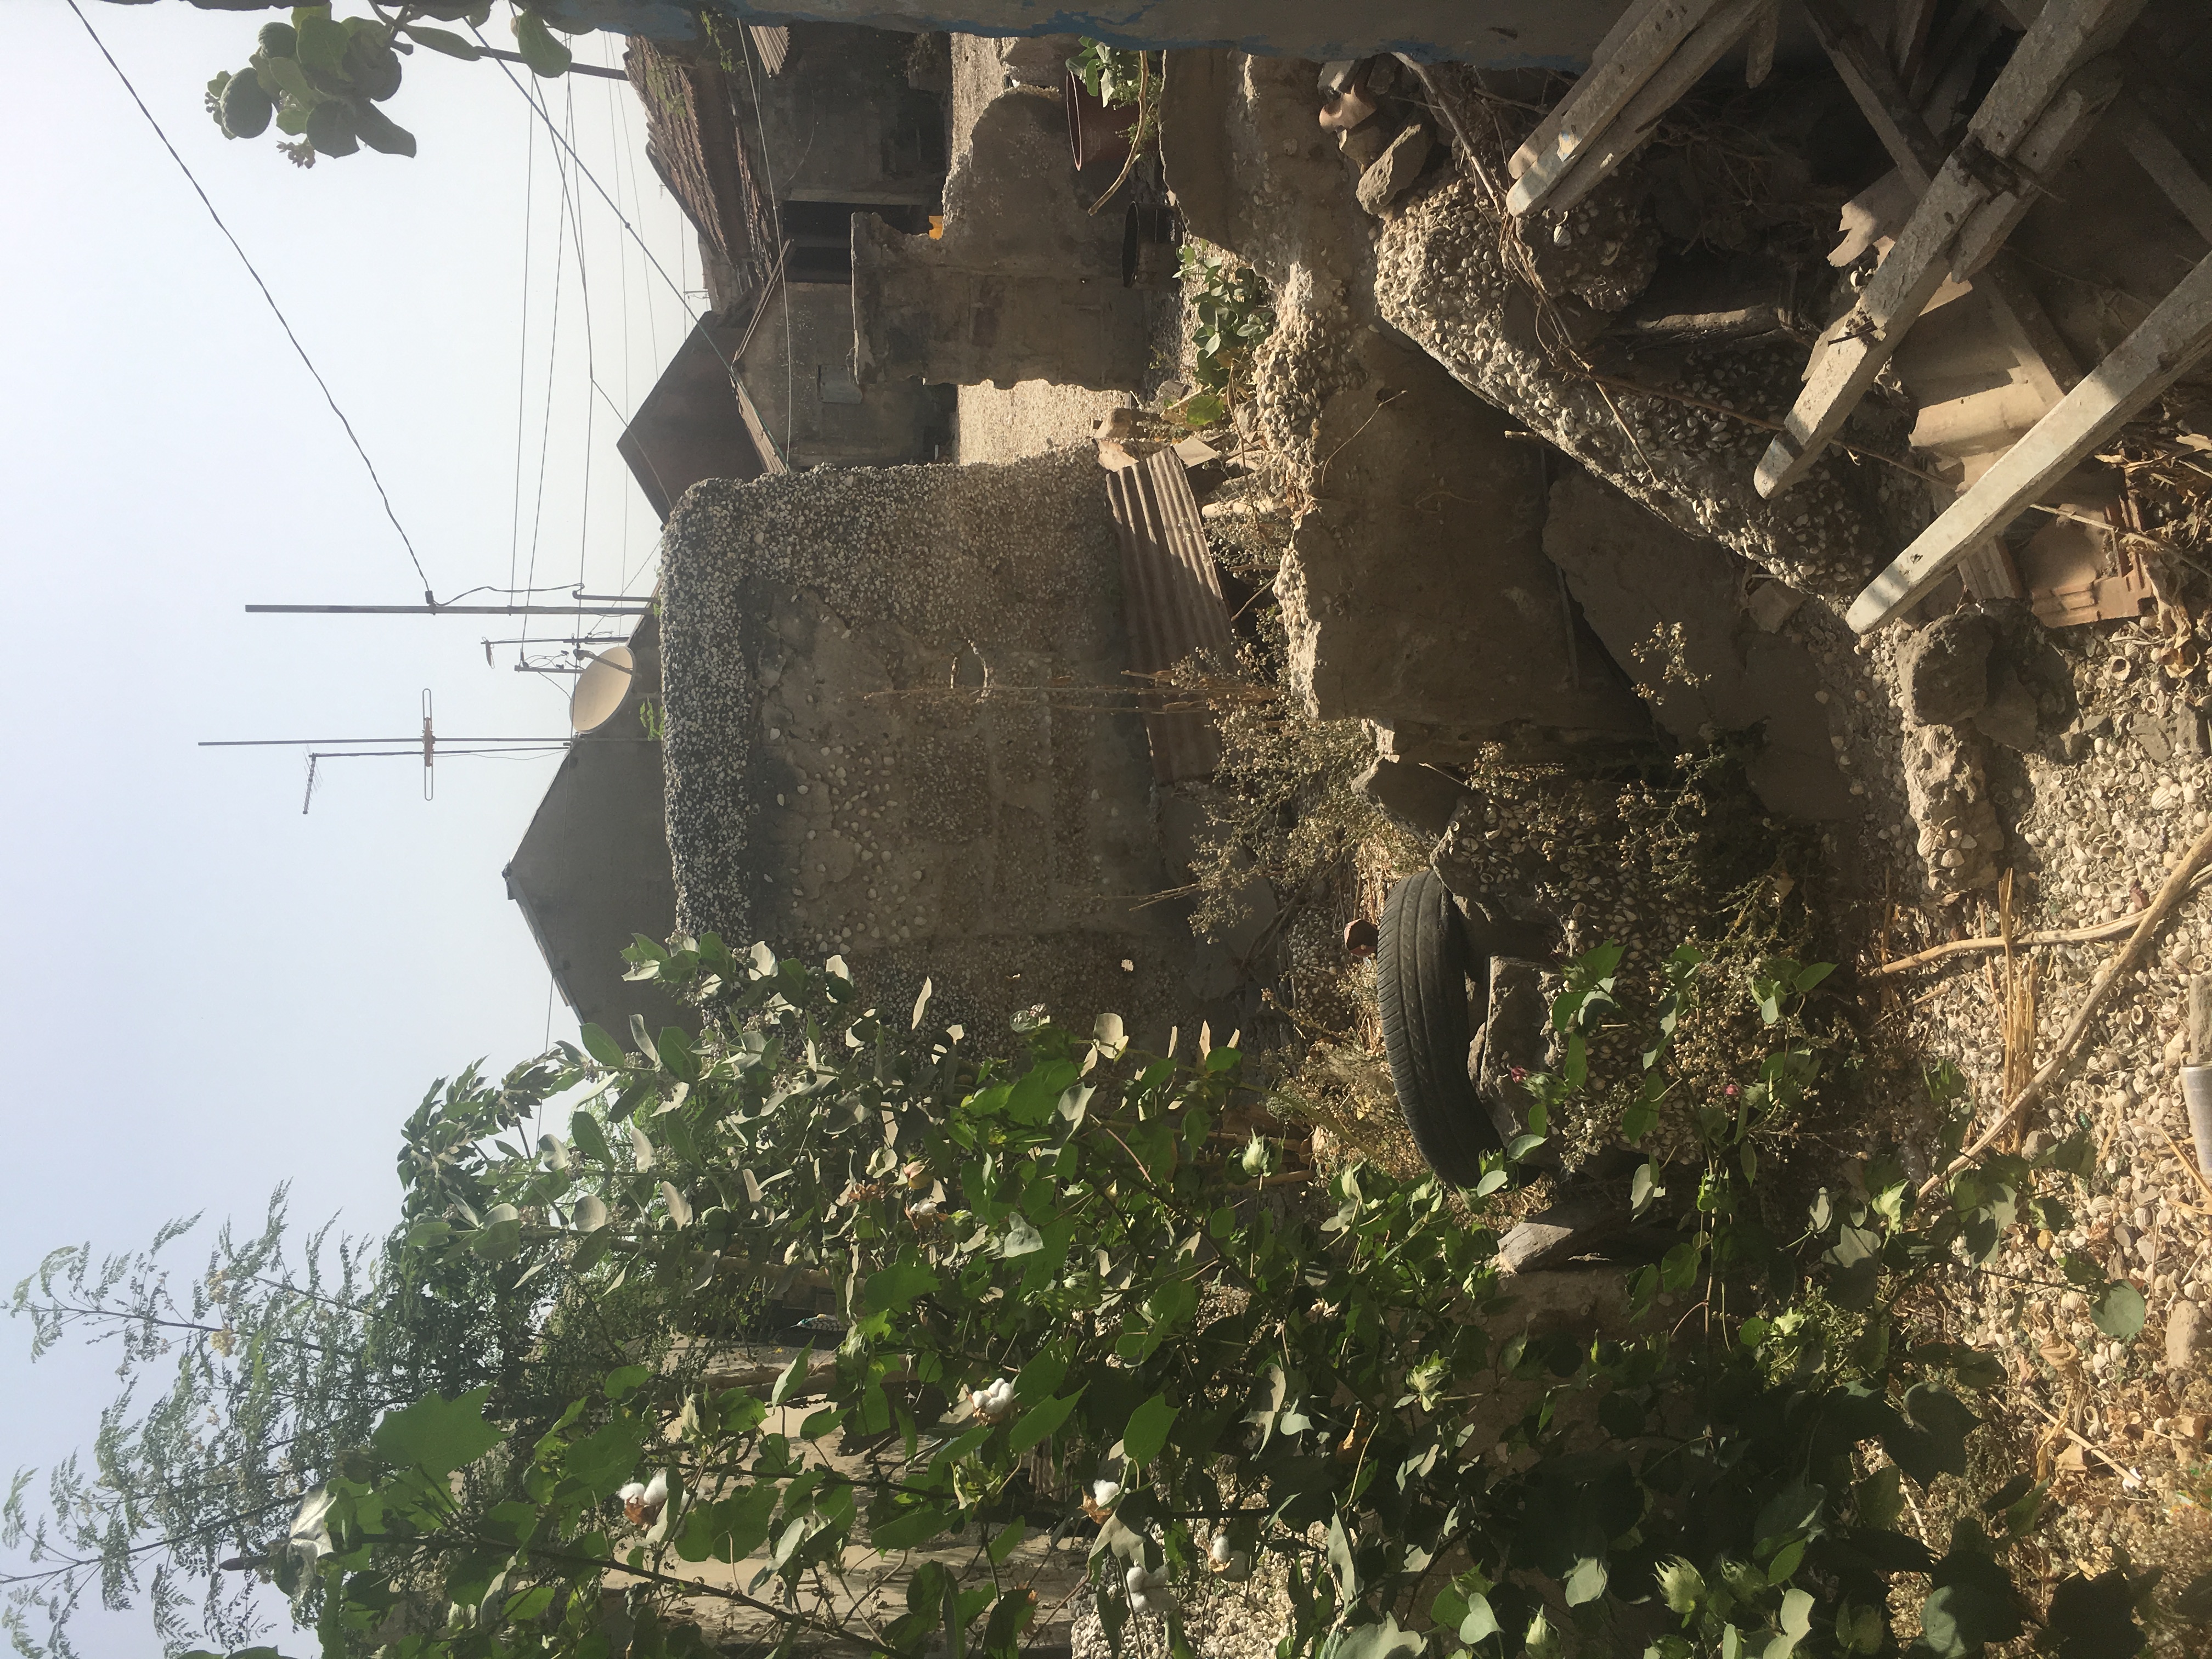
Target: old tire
{"type": "Point", "coordinates": [1420, 980]}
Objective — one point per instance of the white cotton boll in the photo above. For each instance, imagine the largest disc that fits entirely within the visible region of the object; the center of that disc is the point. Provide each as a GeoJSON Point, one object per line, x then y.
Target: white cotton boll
{"type": "Point", "coordinates": [1104, 1492]}
{"type": "Point", "coordinates": [1138, 1580]}
{"type": "Point", "coordinates": [996, 1402]}
{"type": "Point", "coordinates": [1140, 1602]}
{"type": "Point", "coordinates": [632, 1493]}
{"type": "Point", "coordinates": [1219, 1549]}
{"type": "Point", "coordinates": [656, 1491]}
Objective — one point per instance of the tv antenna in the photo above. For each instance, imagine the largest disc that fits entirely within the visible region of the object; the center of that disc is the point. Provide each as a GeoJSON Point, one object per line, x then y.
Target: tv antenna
{"type": "Point", "coordinates": [426, 746]}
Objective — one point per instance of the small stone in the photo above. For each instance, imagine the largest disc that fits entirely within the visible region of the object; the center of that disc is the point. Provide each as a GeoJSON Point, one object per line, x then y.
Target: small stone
{"type": "Point", "coordinates": [1399, 167]}
{"type": "Point", "coordinates": [2183, 1322]}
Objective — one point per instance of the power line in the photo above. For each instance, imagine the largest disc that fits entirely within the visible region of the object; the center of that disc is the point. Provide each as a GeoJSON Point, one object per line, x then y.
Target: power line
{"type": "Point", "coordinates": [279, 311]}
{"type": "Point", "coordinates": [548, 120]}
{"type": "Point", "coordinates": [522, 348]}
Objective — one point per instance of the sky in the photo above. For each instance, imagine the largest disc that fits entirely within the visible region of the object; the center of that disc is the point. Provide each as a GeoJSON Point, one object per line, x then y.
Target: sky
{"type": "Point", "coordinates": [211, 993]}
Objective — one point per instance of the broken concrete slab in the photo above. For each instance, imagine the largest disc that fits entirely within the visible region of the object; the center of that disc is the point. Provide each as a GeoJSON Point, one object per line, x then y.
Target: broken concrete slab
{"type": "Point", "coordinates": [1416, 591]}
{"type": "Point", "coordinates": [1398, 165]}
{"type": "Point", "coordinates": [1666, 607]}
{"type": "Point", "coordinates": [1443, 280]}
{"type": "Point", "coordinates": [1943, 669]}
{"type": "Point", "coordinates": [1947, 792]}
{"type": "Point", "coordinates": [1419, 798]}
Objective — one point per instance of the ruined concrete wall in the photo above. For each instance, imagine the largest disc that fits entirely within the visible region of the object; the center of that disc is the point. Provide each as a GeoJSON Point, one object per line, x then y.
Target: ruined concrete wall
{"type": "Point", "coordinates": [1442, 278]}
{"type": "Point", "coordinates": [1416, 591]}
{"type": "Point", "coordinates": [1023, 285]}
{"type": "Point", "coordinates": [842, 124]}
{"type": "Point", "coordinates": [881, 740]}
{"type": "Point", "coordinates": [799, 362]}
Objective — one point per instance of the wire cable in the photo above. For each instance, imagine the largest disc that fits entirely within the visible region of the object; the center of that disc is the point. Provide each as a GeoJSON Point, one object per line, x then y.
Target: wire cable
{"type": "Point", "coordinates": [278, 310]}
{"type": "Point", "coordinates": [543, 116]}
{"type": "Point", "coordinates": [522, 347]}
{"type": "Point", "coordinates": [775, 218]}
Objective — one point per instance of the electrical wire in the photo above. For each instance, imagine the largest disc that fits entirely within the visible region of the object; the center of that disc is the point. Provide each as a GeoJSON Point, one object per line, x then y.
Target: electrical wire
{"type": "Point", "coordinates": [591, 357]}
{"type": "Point", "coordinates": [278, 310]}
{"type": "Point", "coordinates": [775, 218]}
{"type": "Point", "coordinates": [674, 287]}
{"type": "Point", "coordinates": [522, 345]}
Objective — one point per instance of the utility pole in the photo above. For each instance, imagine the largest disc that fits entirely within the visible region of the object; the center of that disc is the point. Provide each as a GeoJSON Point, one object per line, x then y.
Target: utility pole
{"type": "Point", "coordinates": [603, 608]}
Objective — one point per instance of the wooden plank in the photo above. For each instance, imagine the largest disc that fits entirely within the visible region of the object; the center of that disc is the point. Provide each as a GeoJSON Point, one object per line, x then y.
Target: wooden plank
{"type": "Point", "coordinates": [2047, 147]}
{"type": "Point", "coordinates": [1705, 47]}
{"type": "Point", "coordinates": [1759, 46]}
{"type": "Point", "coordinates": [2169, 169]}
{"type": "Point", "coordinates": [2166, 345]}
{"type": "Point", "coordinates": [1851, 352]}
{"type": "Point", "coordinates": [2028, 328]}
{"type": "Point", "coordinates": [1908, 36]}
{"type": "Point", "coordinates": [1547, 131]}
{"type": "Point", "coordinates": [1585, 113]}
{"type": "Point", "coordinates": [1874, 86]}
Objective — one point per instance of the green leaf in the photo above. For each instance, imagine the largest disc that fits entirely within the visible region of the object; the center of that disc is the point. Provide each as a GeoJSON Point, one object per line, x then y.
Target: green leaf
{"type": "Point", "coordinates": [1040, 1421]}
{"type": "Point", "coordinates": [604, 1049]}
{"type": "Point", "coordinates": [2094, 1618]}
{"type": "Point", "coordinates": [437, 1434]}
{"type": "Point", "coordinates": [545, 54]}
{"type": "Point", "coordinates": [1678, 1269]}
{"type": "Point", "coordinates": [792, 1376]}
{"type": "Point", "coordinates": [1587, 1582]}
{"type": "Point", "coordinates": [1147, 1433]}
{"type": "Point", "coordinates": [910, 1528]}
{"type": "Point", "coordinates": [897, 1285]}
{"type": "Point", "coordinates": [1009, 1540]}
{"type": "Point", "coordinates": [584, 1132]}
{"type": "Point", "coordinates": [322, 47]}
{"type": "Point", "coordinates": [2119, 1312]}
{"type": "Point", "coordinates": [626, 1380]}
{"type": "Point", "coordinates": [445, 40]}
{"type": "Point", "coordinates": [1479, 1623]}
{"type": "Point", "coordinates": [1382, 1641]}
{"type": "Point", "coordinates": [380, 132]}
{"type": "Point", "coordinates": [604, 1460]}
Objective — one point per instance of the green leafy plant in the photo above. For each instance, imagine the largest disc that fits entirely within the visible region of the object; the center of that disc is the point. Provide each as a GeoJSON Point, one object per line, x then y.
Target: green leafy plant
{"type": "Point", "coordinates": [1068, 1252]}
{"type": "Point", "coordinates": [321, 78]}
{"type": "Point", "coordinates": [1109, 74]}
{"type": "Point", "coordinates": [1231, 315]}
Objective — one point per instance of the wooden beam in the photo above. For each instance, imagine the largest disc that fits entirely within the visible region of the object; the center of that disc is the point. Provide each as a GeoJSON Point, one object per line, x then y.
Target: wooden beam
{"type": "Point", "coordinates": [2170, 170]}
{"type": "Point", "coordinates": [1874, 86]}
{"type": "Point", "coordinates": [1759, 46]}
{"type": "Point", "coordinates": [1584, 114]}
{"type": "Point", "coordinates": [1908, 36]}
{"type": "Point", "coordinates": [2168, 342]}
{"type": "Point", "coordinates": [2048, 147]}
{"type": "Point", "coordinates": [1851, 352]}
{"type": "Point", "coordinates": [1707, 45]}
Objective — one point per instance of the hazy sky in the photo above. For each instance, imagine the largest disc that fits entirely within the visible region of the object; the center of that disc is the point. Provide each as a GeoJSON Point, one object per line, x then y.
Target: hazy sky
{"type": "Point", "coordinates": [210, 993]}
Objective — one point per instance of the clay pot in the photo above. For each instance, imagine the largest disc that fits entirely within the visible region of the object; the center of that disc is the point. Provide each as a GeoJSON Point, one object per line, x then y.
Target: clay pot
{"type": "Point", "coordinates": [1097, 132]}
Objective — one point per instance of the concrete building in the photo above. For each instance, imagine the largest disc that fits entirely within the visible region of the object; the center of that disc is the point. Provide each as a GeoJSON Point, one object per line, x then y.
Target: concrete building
{"type": "Point", "coordinates": [593, 870]}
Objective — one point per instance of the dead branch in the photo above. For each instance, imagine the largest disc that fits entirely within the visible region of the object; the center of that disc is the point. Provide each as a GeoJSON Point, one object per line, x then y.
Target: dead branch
{"type": "Point", "coordinates": [2169, 899]}
{"type": "Point", "coordinates": [1957, 947]}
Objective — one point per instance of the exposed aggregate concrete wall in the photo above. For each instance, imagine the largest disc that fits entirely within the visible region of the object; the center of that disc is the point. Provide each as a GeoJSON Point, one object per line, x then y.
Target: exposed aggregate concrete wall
{"type": "Point", "coordinates": [884, 738]}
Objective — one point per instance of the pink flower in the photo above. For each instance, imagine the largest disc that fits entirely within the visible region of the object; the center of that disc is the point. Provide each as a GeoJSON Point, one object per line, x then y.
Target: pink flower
{"type": "Point", "coordinates": [1520, 1072]}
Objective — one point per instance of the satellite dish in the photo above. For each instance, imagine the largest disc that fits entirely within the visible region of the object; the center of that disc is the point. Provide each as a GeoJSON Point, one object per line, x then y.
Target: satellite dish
{"type": "Point", "coordinates": [600, 689]}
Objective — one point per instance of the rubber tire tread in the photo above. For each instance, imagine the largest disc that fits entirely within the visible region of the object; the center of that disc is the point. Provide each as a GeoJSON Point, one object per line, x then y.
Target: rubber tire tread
{"type": "Point", "coordinates": [1420, 980]}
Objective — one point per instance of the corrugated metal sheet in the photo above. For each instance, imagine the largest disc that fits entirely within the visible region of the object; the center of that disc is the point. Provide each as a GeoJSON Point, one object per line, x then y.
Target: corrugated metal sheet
{"type": "Point", "coordinates": [1171, 599]}
{"type": "Point", "coordinates": [772, 42]}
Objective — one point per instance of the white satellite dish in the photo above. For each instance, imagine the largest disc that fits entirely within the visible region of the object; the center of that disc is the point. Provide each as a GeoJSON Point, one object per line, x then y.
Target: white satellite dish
{"type": "Point", "coordinates": [600, 689]}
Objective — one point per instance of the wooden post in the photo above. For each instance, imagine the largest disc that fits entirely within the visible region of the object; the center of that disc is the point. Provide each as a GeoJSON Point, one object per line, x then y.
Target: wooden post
{"type": "Point", "coordinates": [1852, 353]}
{"type": "Point", "coordinates": [2161, 351]}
